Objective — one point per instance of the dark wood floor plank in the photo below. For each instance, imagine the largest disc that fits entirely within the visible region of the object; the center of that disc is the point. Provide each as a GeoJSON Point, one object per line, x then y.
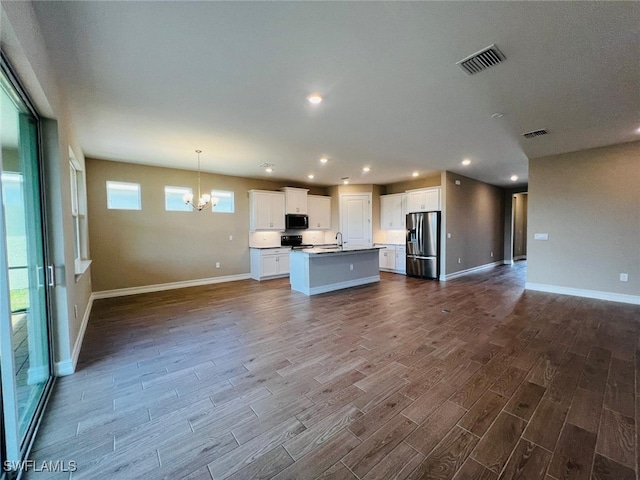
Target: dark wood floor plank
{"type": "Point", "coordinates": [483, 413]}
{"type": "Point", "coordinates": [473, 470]}
{"type": "Point", "coordinates": [528, 462]}
{"type": "Point", "coordinates": [585, 410]}
{"type": "Point", "coordinates": [545, 425]}
{"type": "Point", "coordinates": [447, 458]}
{"type": "Point", "coordinates": [525, 400]}
{"type": "Point", "coordinates": [616, 438]}
{"type": "Point", "coordinates": [435, 427]}
{"type": "Point", "coordinates": [495, 447]}
{"type": "Point", "coordinates": [424, 406]}
{"type": "Point", "coordinates": [379, 415]}
{"type": "Point", "coordinates": [397, 465]}
{"type": "Point", "coordinates": [507, 383]}
{"type": "Point", "coordinates": [573, 456]}
{"type": "Point", "coordinates": [606, 469]}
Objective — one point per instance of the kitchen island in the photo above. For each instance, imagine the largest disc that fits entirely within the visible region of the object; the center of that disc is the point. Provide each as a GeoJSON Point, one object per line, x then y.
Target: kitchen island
{"type": "Point", "coordinates": [325, 269]}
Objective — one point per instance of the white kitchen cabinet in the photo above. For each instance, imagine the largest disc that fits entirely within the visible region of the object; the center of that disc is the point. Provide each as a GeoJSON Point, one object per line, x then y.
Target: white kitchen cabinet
{"type": "Point", "coordinates": [295, 200]}
{"type": "Point", "coordinates": [423, 200]}
{"type": "Point", "coordinates": [266, 210]}
{"type": "Point", "coordinates": [393, 258]}
{"type": "Point", "coordinates": [392, 211]}
{"type": "Point", "coordinates": [269, 263]}
{"type": "Point", "coordinates": [319, 212]}
{"type": "Point", "coordinates": [401, 259]}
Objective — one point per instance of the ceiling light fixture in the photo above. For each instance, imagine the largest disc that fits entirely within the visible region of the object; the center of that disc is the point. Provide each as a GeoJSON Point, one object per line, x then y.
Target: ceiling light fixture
{"type": "Point", "coordinates": [310, 176]}
{"type": "Point", "coordinates": [514, 178]}
{"type": "Point", "coordinates": [324, 160]}
{"type": "Point", "coordinates": [345, 180]}
{"type": "Point", "coordinates": [314, 98]}
{"type": "Point", "coordinates": [204, 201]}
{"type": "Point", "coordinates": [366, 169]}
{"type": "Point", "coordinates": [415, 174]}
{"type": "Point", "coordinates": [268, 169]}
{"type": "Point", "coordinates": [466, 161]}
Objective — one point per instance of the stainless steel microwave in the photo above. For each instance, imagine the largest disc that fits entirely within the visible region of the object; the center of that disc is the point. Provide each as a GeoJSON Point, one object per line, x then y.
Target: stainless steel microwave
{"type": "Point", "coordinates": [295, 221]}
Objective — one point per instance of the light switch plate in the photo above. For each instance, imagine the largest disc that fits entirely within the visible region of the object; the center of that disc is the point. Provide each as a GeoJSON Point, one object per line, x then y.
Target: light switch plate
{"type": "Point", "coordinates": [541, 236]}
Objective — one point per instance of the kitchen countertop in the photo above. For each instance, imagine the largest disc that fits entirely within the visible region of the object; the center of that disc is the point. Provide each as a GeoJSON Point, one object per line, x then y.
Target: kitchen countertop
{"type": "Point", "coordinates": [336, 249]}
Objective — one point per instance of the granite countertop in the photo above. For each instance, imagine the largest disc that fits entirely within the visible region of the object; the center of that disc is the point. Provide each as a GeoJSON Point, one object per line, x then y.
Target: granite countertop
{"type": "Point", "coordinates": [334, 249]}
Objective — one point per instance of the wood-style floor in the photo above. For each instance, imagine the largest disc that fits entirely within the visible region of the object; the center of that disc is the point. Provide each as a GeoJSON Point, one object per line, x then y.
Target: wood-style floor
{"type": "Point", "coordinates": [473, 378]}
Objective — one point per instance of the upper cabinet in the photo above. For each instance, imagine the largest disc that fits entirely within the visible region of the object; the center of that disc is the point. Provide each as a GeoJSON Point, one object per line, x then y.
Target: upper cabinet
{"type": "Point", "coordinates": [296, 200]}
{"type": "Point", "coordinates": [423, 200]}
{"type": "Point", "coordinates": [393, 209]}
{"type": "Point", "coordinates": [319, 212]}
{"type": "Point", "coordinates": [266, 210]}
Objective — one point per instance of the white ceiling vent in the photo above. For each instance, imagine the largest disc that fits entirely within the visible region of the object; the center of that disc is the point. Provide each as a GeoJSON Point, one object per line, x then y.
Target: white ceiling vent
{"type": "Point", "coordinates": [479, 61]}
{"type": "Point", "coordinates": [535, 133]}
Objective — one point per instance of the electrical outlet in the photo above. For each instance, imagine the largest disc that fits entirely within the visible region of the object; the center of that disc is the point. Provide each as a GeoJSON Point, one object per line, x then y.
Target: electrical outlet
{"type": "Point", "coordinates": [492, 254]}
{"type": "Point", "coordinates": [459, 260]}
{"type": "Point", "coordinates": [351, 267]}
{"type": "Point", "coordinates": [230, 238]}
{"type": "Point", "coordinates": [217, 264]}
{"type": "Point", "coordinates": [624, 277]}
{"type": "Point", "coordinates": [448, 235]}
{"type": "Point", "coordinates": [75, 311]}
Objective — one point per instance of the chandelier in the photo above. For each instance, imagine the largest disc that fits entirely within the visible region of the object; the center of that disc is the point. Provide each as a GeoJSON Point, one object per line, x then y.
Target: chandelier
{"type": "Point", "coordinates": [204, 201]}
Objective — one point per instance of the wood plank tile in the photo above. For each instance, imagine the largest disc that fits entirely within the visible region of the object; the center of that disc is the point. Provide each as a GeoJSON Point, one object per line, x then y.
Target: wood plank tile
{"type": "Point", "coordinates": [337, 472]}
{"type": "Point", "coordinates": [483, 413]}
{"type": "Point", "coordinates": [473, 470]}
{"type": "Point", "coordinates": [435, 427]}
{"type": "Point", "coordinates": [573, 456]}
{"type": "Point", "coordinates": [545, 426]}
{"type": "Point", "coordinates": [616, 438]}
{"type": "Point", "coordinates": [312, 415]}
{"type": "Point", "coordinates": [525, 400]}
{"type": "Point", "coordinates": [495, 447]}
{"type": "Point", "coordinates": [387, 387]}
{"type": "Point", "coordinates": [447, 457]}
{"type": "Point", "coordinates": [606, 469]}
{"type": "Point", "coordinates": [397, 465]}
{"type": "Point", "coordinates": [321, 458]}
{"type": "Point", "coordinates": [424, 406]}
{"type": "Point", "coordinates": [508, 382]}
{"type": "Point", "coordinates": [379, 415]}
{"type": "Point", "coordinates": [528, 462]}
{"type": "Point", "coordinates": [620, 397]}
{"type": "Point", "coordinates": [268, 465]}
{"type": "Point", "coordinates": [330, 388]}
{"type": "Point", "coordinates": [372, 450]}
{"type": "Point", "coordinates": [585, 410]}
{"type": "Point", "coordinates": [321, 432]}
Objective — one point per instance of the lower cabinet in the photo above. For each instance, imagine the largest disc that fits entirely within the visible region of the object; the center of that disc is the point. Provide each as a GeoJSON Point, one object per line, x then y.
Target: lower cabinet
{"type": "Point", "coordinates": [269, 263]}
{"type": "Point", "coordinates": [393, 258]}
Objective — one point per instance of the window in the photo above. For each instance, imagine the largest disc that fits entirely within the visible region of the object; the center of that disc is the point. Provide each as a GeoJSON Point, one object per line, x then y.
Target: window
{"type": "Point", "coordinates": [173, 199]}
{"type": "Point", "coordinates": [78, 211]}
{"type": "Point", "coordinates": [123, 196]}
{"type": "Point", "coordinates": [225, 202]}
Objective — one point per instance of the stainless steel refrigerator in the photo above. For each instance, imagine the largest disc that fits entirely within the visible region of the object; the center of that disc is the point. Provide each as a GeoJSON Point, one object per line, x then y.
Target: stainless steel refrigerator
{"type": "Point", "coordinates": [423, 244]}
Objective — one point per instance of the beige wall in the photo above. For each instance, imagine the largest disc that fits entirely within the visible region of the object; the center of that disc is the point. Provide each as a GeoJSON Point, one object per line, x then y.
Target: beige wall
{"type": "Point", "coordinates": [474, 218]}
{"type": "Point", "coordinates": [420, 182]}
{"type": "Point", "coordinates": [25, 48]}
{"type": "Point", "coordinates": [153, 246]}
{"type": "Point", "coordinates": [589, 204]}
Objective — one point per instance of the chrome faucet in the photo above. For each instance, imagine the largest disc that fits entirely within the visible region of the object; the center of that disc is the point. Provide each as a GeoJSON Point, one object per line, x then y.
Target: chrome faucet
{"type": "Point", "coordinates": [340, 242]}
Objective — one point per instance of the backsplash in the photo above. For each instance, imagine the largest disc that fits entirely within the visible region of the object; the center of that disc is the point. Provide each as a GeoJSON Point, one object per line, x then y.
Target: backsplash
{"type": "Point", "coordinates": [272, 239]}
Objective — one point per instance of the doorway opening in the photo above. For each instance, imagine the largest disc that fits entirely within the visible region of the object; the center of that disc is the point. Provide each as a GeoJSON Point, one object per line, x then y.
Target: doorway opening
{"type": "Point", "coordinates": [519, 208]}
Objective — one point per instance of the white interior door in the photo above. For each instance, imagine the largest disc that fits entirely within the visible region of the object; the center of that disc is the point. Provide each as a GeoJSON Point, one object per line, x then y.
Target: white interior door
{"type": "Point", "coordinates": [355, 219]}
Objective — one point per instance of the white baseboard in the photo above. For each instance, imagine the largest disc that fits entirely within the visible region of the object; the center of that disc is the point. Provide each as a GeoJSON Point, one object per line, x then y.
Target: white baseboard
{"type": "Point", "coordinates": [470, 270]}
{"type": "Point", "coordinates": [121, 292]}
{"type": "Point", "coordinates": [68, 366]}
{"type": "Point", "coordinates": [339, 286]}
{"type": "Point", "coordinates": [519, 257]}
{"type": "Point", "coordinates": [579, 292]}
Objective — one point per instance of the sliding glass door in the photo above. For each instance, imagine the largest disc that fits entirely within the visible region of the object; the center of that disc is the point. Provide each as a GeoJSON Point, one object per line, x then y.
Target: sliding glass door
{"type": "Point", "coordinates": [24, 277]}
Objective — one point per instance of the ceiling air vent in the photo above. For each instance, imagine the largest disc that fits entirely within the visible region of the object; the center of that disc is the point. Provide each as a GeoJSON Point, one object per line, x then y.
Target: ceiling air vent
{"type": "Point", "coordinates": [535, 133]}
{"type": "Point", "coordinates": [479, 61]}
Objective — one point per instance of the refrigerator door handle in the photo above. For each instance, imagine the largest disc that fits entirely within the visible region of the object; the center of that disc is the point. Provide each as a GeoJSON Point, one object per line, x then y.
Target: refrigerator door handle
{"type": "Point", "coordinates": [420, 257]}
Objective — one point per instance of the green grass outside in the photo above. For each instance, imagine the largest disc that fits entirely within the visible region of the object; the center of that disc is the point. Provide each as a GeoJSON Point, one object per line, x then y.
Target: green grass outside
{"type": "Point", "coordinates": [19, 300]}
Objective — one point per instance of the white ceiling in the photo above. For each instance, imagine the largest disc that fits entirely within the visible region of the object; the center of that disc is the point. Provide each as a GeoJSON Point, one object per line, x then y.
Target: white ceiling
{"type": "Point", "coordinates": [150, 82]}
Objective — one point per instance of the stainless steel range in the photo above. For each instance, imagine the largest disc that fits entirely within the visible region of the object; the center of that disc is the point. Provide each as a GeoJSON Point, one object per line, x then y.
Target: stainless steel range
{"type": "Point", "coordinates": [293, 241]}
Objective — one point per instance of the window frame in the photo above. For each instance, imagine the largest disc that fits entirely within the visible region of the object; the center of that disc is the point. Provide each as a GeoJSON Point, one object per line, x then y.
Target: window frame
{"type": "Point", "coordinates": [137, 188]}
{"type": "Point", "coordinates": [217, 193]}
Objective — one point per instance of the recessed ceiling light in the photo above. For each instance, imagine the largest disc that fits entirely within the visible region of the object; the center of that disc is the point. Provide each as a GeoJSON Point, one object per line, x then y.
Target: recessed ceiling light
{"type": "Point", "coordinates": [314, 98]}
{"type": "Point", "coordinates": [637, 130]}
{"type": "Point", "coordinates": [497, 115]}
{"type": "Point", "coordinates": [310, 176]}
{"type": "Point", "coordinates": [415, 174]}
{"type": "Point", "coordinates": [466, 161]}
{"type": "Point", "coordinates": [514, 178]}
{"type": "Point", "coordinates": [268, 169]}
{"type": "Point", "coordinates": [366, 169]}
{"type": "Point", "coordinates": [345, 180]}
{"type": "Point", "coordinates": [324, 160]}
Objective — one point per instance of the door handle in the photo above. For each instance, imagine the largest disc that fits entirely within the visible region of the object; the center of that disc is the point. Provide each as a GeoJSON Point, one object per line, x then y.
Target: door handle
{"type": "Point", "coordinates": [51, 270]}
